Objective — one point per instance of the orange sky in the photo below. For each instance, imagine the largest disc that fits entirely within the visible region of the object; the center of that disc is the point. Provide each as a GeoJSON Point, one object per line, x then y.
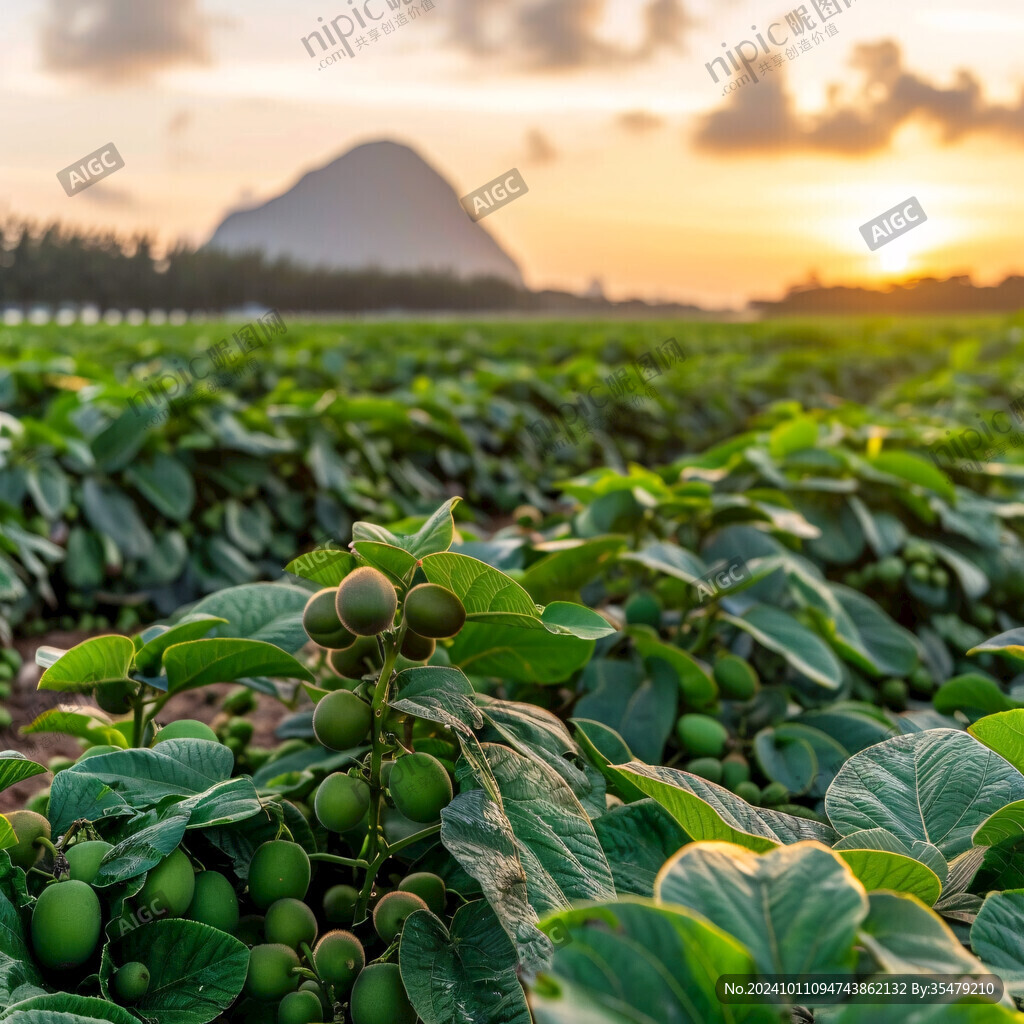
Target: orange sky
{"type": "Point", "coordinates": [640, 171]}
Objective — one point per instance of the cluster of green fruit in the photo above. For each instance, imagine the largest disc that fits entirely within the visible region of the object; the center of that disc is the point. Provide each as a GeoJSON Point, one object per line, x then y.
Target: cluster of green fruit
{"type": "Point", "coordinates": [917, 561]}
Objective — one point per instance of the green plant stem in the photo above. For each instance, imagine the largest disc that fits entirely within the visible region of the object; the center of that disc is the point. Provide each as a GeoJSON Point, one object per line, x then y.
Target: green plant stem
{"type": "Point", "coordinates": [346, 862]}
{"type": "Point", "coordinates": [138, 727]}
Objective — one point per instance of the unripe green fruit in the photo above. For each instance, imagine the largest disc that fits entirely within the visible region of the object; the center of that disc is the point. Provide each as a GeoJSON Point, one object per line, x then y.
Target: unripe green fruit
{"type": "Point", "coordinates": [341, 720]}
{"type": "Point", "coordinates": [173, 882]}
{"type": "Point", "coordinates": [290, 922]}
{"type": "Point", "coordinates": [735, 769]}
{"type": "Point", "coordinates": [894, 693]}
{"type": "Point", "coordinates": [433, 611]}
{"type": "Point", "coordinates": [84, 859]}
{"type": "Point", "coordinates": [420, 787]}
{"type": "Point", "coordinates": [65, 925]}
{"type": "Point", "coordinates": [643, 609]}
{"type": "Point", "coordinates": [352, 662]}
{"type": "Point", "coordinates": [186, 729]}
{"type": "Point", "coordinates": [131, 982]}
{"type": "Point", "coordinates": [300, 1008]}
{"type": "Point", "coordinates": [341, 801]}
{"type": "Point", "coordinates": [339, 957]}
{"type": "Point", "coordinates": [416, 647]}
{"type": "Point", "coordinates": [366, 602]}
{"type": "Point", "coordinates": [321, 623]}
{"type": "Point", "coordinates": [240, 729]}
{"type": "Point", "coordinates": [702, 736]}
{"type": "Point", "coordinates": [28, 827]}
{"type": "Point", "coordinates": [328, 1009]}
{"type": "Point", "coordinates": [920, 572]}
{"type": "Point", "coordinates": [116, 698]}
{"type": "Point", "coordinates": [270, 972]}
{"type": "Point", "coordinates": [99, 749]}
{"type": "Point", "coordinates": [890, 570]}
{"type": "Point", "coordinates": [922, 682]}
{"type": "Point", "coordinates": [749, 791]}
{"type": "Point", "coordinates": [279, 869]}
{"type": "Point", "coordinates": [736, 678]}
{"type": "Point", "coordinates": [709, 768]}
{"type": "Point", "coordinates": [774, 793]}
{"type": "Point", "coordinates": [340, 904]}
{"type": "Point", "coordinates": [378, 997]}
{"type": "Point", "coordinates": [430, 888]}
{"type": "Point", "coordinates": [239, 701]}
{"type": "Point", "coordinates": [214, 902]}
{"type": "Point", "coordinates": [939, 578]}
{"type": "Point", "coordinates": [390, 913]}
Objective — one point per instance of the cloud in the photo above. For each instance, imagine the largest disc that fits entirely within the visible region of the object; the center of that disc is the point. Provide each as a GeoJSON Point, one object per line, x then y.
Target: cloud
{"type": "Point", "coordinates": [639, 121]}
{"type": "Point", "coordinates": [558, 35]}
{"type": "Point", "coordinates": [111, 40]}
{"type": "Point", "coordinates": [761, 117]}
{"type": "Point", "coordinates": [540, 149]}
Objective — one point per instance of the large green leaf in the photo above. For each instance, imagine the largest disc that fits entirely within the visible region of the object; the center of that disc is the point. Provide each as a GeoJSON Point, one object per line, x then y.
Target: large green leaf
{"type": "Point", "coordinates": [158, 638]}
{"type": "Point", "coordinates": [575, 562]}
{"type": "Point", "coordinates": [465, 974]}
{"type": "Point", "coordinates": [804, 650]}
{"type": "Point", "coordinates": [18, 972]}
{"type": "Point", "coordinates": [1010, 642]}
{"type": "Point", "coordinates": [530, 654]}
{"type": "Point", "coordinates": [1003, 733]}
{"type": "Point", "coordinates": [325, 566]}
{"type": "Point", "coordinates": [113, 513]}
{"type": "Point", "coordinates": [73, 720]}
{"type": "Point", "coordinates": [936, 787]}
{"type": "Point", "coordinates": [15, 768]}
{"type": "Point", "coordinates": [434, 536]}
{"type": "Point", "coordinates": [195, 971]}
{"type": "Point", "coordinates": [997, 937]}
{"type": "Point", "coordinates": [637, 839]}
{"type": "Point", "coordinates": [271, 612]}
{"type": "Point", "coordinates": [103, 659]}
{"type": "Point", "coordinates": [152, 839]}
{"type": "Point", "coordinates": [166, 484]}
{"type": "Point", "coordinates": [697, 685]}
{"type": "Point", "coordinates": [879, 869]}
{"type": "Point", "coordinates": [482, 588]}
{"type": "Point", "coordinates": [201, 662]}
{"type": "Point", "coordinates": [66, 1008]}
{"type": "Point", "coordinates": [773, 903]}
{"type": "Point", "coordinates": [903, 468]}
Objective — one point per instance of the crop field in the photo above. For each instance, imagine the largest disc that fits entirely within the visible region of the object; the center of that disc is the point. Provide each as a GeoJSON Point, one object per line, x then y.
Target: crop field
{"type": "Point", "coordinates": [512, 672]}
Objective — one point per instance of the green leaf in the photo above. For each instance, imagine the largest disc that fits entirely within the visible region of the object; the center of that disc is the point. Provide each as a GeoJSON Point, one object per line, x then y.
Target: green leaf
{"type": "Point", "coordinates": [876, 869]}
{"type": "Point", "coordinates": [113, 513]}
{"type": "Point", "coordinates": [15, 768]}
{"type": "Point", "coordinates": [49, 487]}
{"type": "Point", "coordinates": [200, 662]}
{"type": "Point", "coordinates": [195, 971]}
{"type": "Point", "coordinates": [1006, 823]}
{"type": "Point", "coordinates": [70, 720]}
{"type": "Point", "coordinates": [669, 558]}
{"type": "Point", "coordinates": [604, 747]}
{"type": "Point", "coordinates": [160, 638]}
{"type": "Point", "coordinates": [17, 967]}
{"type": "Point", "coordinates": [567, 619]}
{"type": "Point", "coordinates": [103, 659]}
{"type": "Point", "coordinates": [434, 536]}
{"type": "Point", "coordinates": [1003, 733]}
{"type": "Point", "coordinates": [326, 567]}
{"type": "Point", "coordinates": [637, 839]}
{"type": "Point", "coordinates": [1010, 642]}
{"type": "Point", "coordinates": [531, 655]}
{"type": "Point", "coordinates": [880, 839]}
{"type": "Point", "coordinates": [972, 693]}
{"type": "Point", "coordinates": [773, 903]}
{"type": "Point", "coordinates": [912, 469]}
{"type": "Point", "coordinates": [697, 686]}
{"type": "Point", "coordinates": [66, 1008]}
{"type": "Point", "coordinates": [792, 436]}
{"type": "Point", "coordinates": [637, 963]}
{"type": "Point", "coordinates": [166, 484]}
{"type": "Point", "coordinates": [390, 560]}
{"type": "Point", "coordinates": [270, 612]}
{"type": "Point", "coordinates": [996, 937]}
{"type": "Point", "coordinates": [575, 563]}
{"type": "Point", "coordinates": [710, 812]}
{"type": "Point", "coordinates": [146, 847]}
{"type": "Point", "coordinates": [936, 787]}
{"type": "Point", "coordinates": [462, 974]}
{"type": "Point", "coordinates": [481, 588]}
{"type": "Point", "coordinates": [781, 633]}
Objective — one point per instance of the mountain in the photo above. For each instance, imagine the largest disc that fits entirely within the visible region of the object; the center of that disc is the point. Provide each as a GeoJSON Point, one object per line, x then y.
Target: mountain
{"type": "Point", "coordinates": [380, 205]}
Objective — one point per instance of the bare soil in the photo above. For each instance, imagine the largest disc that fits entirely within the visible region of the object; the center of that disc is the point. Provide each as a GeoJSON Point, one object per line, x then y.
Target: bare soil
{"type": "Point", "coordinates": [26, 703]}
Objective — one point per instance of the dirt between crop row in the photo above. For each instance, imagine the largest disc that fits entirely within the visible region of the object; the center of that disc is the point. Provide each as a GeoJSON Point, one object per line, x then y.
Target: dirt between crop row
{"type": "Point", "coordinates": [26, 703]}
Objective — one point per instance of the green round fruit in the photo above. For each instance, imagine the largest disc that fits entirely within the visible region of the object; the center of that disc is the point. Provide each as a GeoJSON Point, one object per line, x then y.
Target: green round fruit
{"type": "Point", "coordinates": [390, 913]}
{"type": "Point", "coordinates": [328, 1009]}
{"type": "Point", "coordinates": [341, 720]}
{"type": "Point", "coordinates": [186, 729]}
{"type": "Point", "coordinates": [131, 982]}
{"type": "Point", "coordinates": [430, 888]}
{"type": "Point", "coordinates": [116, 698]}
{"type": "Point", "coordinates": [353, 662]}
{"type": "Point", "coordinates": [172, 882]}
{"type": "Point", "coordinates": [920, 572]}
{"type": "Point", "coordinates": [99, 749]}
{"type": "Point", "coordinates": [735, 769]}
{"type": "Point", "coordinates": [939, 578]}
{"type": "Point", "coordinates": [366, 602]}
{"type": "Point", "coordinates": [922, 682]}
{"type": "Point", "coordinates": [279, 869]}
{"type": "Point", "coordinates": [290, 922]}
{"type": "Point", "coordinates": [774, 793]}
{"type": "Point", "coordinates": [271, 968]}
{"type": "Point", "coordinates": [749, 791]}
{"type": "Point", "coordinates": [434, 612]}
{"type": "Point", "coordinates": [702, 736]}
{"type": "Point", "coordinates": [340, 904]}
{"type": "Point", "coordinates": [214, 902]}
{"type": "Point", "coordinates": [84, 859]}
{"type": "Point", "coordinates": [28, 827]}
{"type": "Point", "coordinates": [378, 997]}
{"type": "Point", "coordinates": [339, 957]}
{"type": "Point", "coordinates": [240, 729]}
{"type": "Point", "coordinates": [300, 1008]}
{"type": "Point", "coordinates": [321, 623]}
{"type": "Point", "coordinates": [736, 678]}
{"type": "Point", "coordinates": [643, 609]}
{"type": "Point", "coordinates": [65, 925]}
{"type": "Point", "coordinates": [890, 570]}
{"type": "Point", "coordinates": [420, 787]}
{"type": "Point", "coordinates": [341, 801]}
{"type": "Point", "coordinates": [416, 647]}
{"type": "Point", "coordinates": [894, 693]}
{"type": "Point", "coordinates": [709, 768]}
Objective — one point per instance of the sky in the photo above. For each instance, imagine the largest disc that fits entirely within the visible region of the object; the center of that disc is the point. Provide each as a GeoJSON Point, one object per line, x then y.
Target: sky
{"type": "Point", "coordinates": [643, 171]}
